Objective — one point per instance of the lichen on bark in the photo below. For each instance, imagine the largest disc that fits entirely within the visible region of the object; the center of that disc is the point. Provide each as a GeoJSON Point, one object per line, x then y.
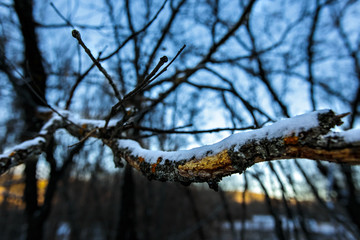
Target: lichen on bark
{"type": "Point", "coordinates": [295, 140]}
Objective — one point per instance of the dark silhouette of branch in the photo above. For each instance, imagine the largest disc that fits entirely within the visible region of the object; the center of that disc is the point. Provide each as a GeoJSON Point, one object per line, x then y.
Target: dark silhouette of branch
{"type": "Point", "coordinates": [243, 208]}
{"type": "Point", "coordinates": [175, 131]}
{"type": "Point", "coordinates": [243, 18]}
{"type": "Point", "coordinates": [288, 210]}
{"type": "Point", "coordinates": [77, 36]}
{"type": "Point", "coordinates": [322, 202]}
{"type": "Point", "coordinates": [262, 73]}
{"type": "Point", "coordinates": [150, 78]}
{"type": "Point", "coordinates": [228, 216]}
{"type": "Point", "coordinates": [164, 33]}
{"type": "Point", "coordinates": [135, 33]}
{"type": "Point", "coordinates": [274, 213]}
{"type": "Point", "coordinates": [353, 53]}
{"type": "Point", "coordinates": [196, 213]}
{"type": "Point", "coordinates": [300, 212]}
{"type": "Point", "coordinates": [74, 87]}
{"type": "Point", "coordinates": [68, 23]}
{"type": "Point", "coordinates": [310, 53]}
{"type": "Point", "coordinates": [177, 81]}
{"type": "Point", "coordinates": [135, 40]}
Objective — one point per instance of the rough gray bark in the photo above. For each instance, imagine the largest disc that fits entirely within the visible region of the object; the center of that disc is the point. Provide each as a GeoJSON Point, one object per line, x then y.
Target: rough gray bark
{"type": "Point", "coordinates": [317, 143]}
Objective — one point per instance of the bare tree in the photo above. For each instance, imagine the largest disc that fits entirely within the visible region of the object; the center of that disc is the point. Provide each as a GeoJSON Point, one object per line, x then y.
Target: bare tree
{"type": "Point", "coordinates": [138, 75]}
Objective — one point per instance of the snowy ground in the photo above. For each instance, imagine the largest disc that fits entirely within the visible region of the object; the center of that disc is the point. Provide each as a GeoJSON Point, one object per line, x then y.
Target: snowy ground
{"type": "Point", "coordinates": [260, 226]}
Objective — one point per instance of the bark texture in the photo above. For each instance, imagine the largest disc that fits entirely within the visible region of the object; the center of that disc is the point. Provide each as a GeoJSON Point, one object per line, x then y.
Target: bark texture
{"type": "Point", "coordinates": [317, 143]}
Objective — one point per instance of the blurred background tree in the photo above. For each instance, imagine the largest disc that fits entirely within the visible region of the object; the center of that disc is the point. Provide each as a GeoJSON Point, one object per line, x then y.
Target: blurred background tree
{"type": "Point", "coordinates": [246, 63]}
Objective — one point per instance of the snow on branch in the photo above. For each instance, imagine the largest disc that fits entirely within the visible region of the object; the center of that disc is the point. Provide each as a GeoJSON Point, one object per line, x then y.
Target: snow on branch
{"type": "Point", "coordinates": [60, 119]}
{"type": "Point", "coordinates": [30, 149]}
{"type": "Point", "coordinates": [20, 153]}
{"type": "Point", "coordinates": [305, 136]}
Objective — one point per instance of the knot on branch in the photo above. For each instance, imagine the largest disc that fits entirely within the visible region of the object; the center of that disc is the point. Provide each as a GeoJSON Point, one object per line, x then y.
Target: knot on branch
{"type": "Point", "coordinates": [76, 34]}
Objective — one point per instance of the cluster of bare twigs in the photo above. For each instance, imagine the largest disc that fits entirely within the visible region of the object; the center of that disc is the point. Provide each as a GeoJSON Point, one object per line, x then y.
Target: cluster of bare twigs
{"type": "Point", "coordinates": [119, 106]}
{"type": "Point", "coordinates": [233, 64]}
{"type": "Point", "coordinates": [140, 87]}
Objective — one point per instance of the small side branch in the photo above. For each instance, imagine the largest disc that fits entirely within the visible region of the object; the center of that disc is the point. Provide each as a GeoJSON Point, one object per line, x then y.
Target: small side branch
{"type": "Point", "coordinates": [21, 153]}
{"type": "Point", "coordinates": [76, 34]}
{"type": "Point", "coordinates": [148, 79]}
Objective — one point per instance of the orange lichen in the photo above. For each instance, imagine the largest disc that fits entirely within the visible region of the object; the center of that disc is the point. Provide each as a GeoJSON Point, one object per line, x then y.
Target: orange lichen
{"type": "Point", "coordinates": [292, 140]}
{"type": "Point", "coordinates": [12, 154]}
{"type": "Point", "coordinates": [141, 159]}
{"type": "Point", "coordinates": [153, 166]}
{"type": "Point", "coordinates": [83, 128]}
{"type": "Point", "coordinates": [207, 166]}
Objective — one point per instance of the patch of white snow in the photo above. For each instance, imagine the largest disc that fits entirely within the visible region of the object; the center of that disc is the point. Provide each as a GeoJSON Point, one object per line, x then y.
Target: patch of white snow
{"type": "Point", "coordinates": [289, 126]}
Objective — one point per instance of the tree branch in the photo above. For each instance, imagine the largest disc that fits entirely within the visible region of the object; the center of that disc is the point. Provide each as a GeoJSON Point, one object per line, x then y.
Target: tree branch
{"type": "Point", "coordinates": [76, 34]}
{"type": "Point", "coordinates": [304, 136]}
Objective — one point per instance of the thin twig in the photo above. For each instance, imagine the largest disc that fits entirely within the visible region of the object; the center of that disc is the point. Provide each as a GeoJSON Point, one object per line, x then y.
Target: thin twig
{"type": "Point", "coordinates": [147, 80]}
{"type": "Point", "coordinates": [78, 80]}
{"type": "Point", "coordinates": [76, 34]}
{"type": "Point", "coordinates": [68, 23]}
{"type": "Point", "coordinates": [116, 108]}
{"type": "Point", "coordinates": [164, 34]}
{"type": "Point", "coordinates": [165, 68]}
{"type": "Point", "coordinates": [174, 131]}
{"type": "Point", "coordinates": [119, 106]}
{"type": "Point", "coordinates": [84, 138]}
{"type": "Point", "coordinates": [135, 33]}
{"type": "Point", "coordinates": [23, 79]}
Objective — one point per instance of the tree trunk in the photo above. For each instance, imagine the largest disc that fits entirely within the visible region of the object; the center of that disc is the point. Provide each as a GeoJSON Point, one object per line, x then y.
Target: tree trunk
{"type": "Point", "coordinates": [34, 227]}
{"type": "Point", "coordinates": [126, 228]}
{"type": "Point", "coordinates": [352, 204]}
{"type": "Point", "coordinates": [31, 94]}
{"type": "Point", "coordinates": [33, 65]}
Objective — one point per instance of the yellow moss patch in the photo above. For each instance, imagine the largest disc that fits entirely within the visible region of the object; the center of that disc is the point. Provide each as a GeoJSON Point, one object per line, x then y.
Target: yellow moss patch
{"type": "Point", "coordinates": [209, 164]}
{"type": "Point", "coordinates": [292, 140]}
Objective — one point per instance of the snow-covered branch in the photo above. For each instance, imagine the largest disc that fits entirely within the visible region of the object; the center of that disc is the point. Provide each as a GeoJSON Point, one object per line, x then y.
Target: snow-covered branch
{"type": "Point", "coordinates": [21, 153]}
{"type": "Point", "coordinates": [305, 136]}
